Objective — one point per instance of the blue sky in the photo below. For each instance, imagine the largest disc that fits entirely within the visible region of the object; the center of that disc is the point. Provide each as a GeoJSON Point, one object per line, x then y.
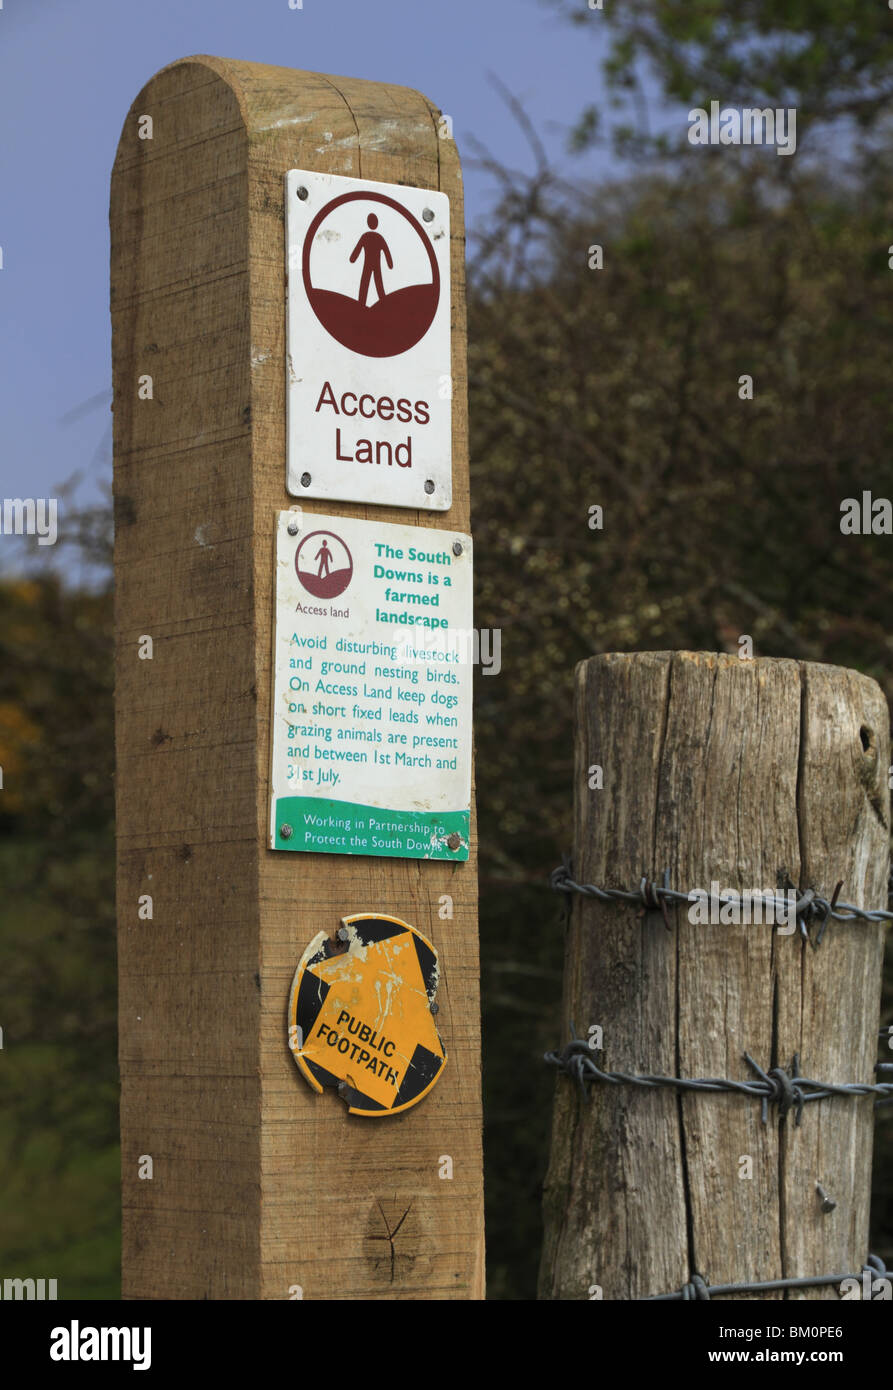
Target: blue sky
{"type": "Point", "coordinates": [69, 70]}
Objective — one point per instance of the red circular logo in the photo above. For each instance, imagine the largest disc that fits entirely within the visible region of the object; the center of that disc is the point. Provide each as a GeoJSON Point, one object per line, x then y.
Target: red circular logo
{"type": "Point", "coordinates": [398, 318]}
{"type": "Point", "coordinates": [326, 568]}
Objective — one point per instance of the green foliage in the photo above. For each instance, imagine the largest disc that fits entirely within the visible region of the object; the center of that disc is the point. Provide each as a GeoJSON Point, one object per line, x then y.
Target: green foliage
{"type": "Point", "coordinates": [59, 1166]}
{"type": "Point", "coordinates": [829, 58]}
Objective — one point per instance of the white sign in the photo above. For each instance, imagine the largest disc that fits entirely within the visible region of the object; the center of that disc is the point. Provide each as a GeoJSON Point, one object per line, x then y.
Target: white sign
{"type": "Point", "coordinates": [373, 653]}
{"type": "Point", "coordinates": [369, 372]}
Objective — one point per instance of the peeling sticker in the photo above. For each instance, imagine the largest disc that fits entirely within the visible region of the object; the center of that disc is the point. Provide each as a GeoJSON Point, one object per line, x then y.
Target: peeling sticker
{"type": "Point", "coordinates": [361, 1015]}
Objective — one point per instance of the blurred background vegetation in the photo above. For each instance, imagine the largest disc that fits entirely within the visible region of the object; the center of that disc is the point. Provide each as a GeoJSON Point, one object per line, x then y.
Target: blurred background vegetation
{"type": "Point", "coordinates": [617, 387]}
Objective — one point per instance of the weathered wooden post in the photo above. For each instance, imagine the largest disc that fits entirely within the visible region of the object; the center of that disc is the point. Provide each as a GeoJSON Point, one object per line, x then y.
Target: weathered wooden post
{"type": "Point", "coordinates": [746, 775]}
{"type": "Point", "coordinates": [239, 1179]}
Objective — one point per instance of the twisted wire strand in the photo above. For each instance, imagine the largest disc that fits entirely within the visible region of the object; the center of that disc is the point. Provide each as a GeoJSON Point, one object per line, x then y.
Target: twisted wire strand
{"type": "Point", "coordinates": [650, 895]}
{"type": "Point", "coordinates": [698, 1287]}
{"type": "Point", "coordinates": [788, 1090]}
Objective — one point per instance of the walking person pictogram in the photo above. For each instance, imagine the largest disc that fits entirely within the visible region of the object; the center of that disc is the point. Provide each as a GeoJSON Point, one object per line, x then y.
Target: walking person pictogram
{"type": "Point", "coordinates": [338, 281]}
{"type": "Point", "coordinates": [324, 555]}
{"type": "Point", "coordinates": [372, 244]}
{"type": "Point", "coordinates": [329, 570]}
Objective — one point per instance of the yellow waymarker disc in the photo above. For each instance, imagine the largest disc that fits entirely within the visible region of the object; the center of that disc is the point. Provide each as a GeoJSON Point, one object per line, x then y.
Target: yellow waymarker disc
{"type": "Point", "coordinates": [361, 1015]}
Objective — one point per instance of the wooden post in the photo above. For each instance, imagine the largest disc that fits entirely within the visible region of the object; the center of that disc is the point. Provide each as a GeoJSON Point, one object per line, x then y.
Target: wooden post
{"type": "Point", "coordinates": [736, 772]}
{"type": "Point", "coordinates": [259, 1188]}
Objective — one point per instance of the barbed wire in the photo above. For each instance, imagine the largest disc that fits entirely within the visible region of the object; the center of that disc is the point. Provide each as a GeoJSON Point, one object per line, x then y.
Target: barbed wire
{"type": "Point", "coordinates": [787, 1090]}
{"type": "Point", "coordinates": [651, 896]}
{"type": "Point", "coordinates": [698, 1288]}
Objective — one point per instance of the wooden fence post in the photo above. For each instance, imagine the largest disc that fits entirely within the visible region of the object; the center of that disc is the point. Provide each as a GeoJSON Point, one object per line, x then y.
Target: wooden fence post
{"type": "Point", "coordinates": [239, 1181]}
{"type": "Point", "coordinates": [737, 773]}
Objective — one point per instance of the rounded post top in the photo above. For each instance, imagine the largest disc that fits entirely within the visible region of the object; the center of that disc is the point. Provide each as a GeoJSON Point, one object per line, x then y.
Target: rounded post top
{"type": "Point", "coordinates": [340, 125]}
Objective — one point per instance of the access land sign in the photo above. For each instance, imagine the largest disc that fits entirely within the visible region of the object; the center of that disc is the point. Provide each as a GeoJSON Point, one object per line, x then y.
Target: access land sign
{"type": "Point", "coordinates": [369, 350]}
{"type": "Point", "coordinates": [371, 721]}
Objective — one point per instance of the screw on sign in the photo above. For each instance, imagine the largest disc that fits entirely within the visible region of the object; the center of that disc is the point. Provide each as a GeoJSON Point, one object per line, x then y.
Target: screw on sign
{"type": "Point", "coordinates": [361, 1015]}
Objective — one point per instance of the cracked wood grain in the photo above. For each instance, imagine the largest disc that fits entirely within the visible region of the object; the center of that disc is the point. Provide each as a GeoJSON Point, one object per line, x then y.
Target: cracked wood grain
{"type": "Point", "coordinates": [741, 773]}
